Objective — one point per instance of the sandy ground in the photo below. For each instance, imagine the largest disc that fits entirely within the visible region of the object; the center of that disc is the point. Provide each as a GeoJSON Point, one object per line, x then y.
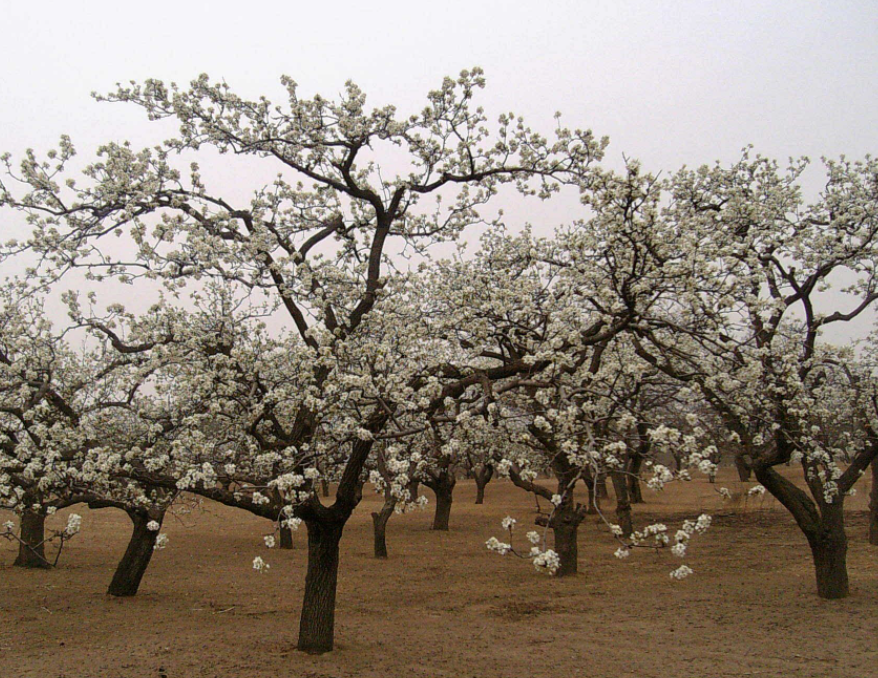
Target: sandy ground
{"type": "Point", "coordinates": [442, 605]}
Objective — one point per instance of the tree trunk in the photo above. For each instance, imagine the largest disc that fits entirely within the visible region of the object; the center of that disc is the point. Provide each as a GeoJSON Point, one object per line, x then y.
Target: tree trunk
{"type": "Point", "coordinates": [601, 487]}
{"type": "Point", "coordinates": [623, 504]}
{"type": "Point", "coordinates": [32, 548]}
{"type": "Point", "coordinates": [873, 505]}
{"type": "Point", "coordinates": [414, 488]}
{"type": "Point", "coordinates": [744, 471]}
{"type": "Point", "coordinates": [379, 524]}
{"type": "Point", "coordinates": [324, 485]}
{"type": "Point", "coordinates": [317, 623]}
{"type": "Point", "coordinates": [443, 489]}
{"type": "Point", "coordinates": [635, 492]}
{"type": "Point", "coordinates": [829, 546]}
{"type": "Point", "coordinates": [483, 477]}
{"type": "Point", "coordinates": [132, 567]}
{"type": "Point", "coordinates": [286, 538]}
{"type": "Point", "coordinates": [442, 515]}
{"type": "Point", "coordinates": [565, 533]}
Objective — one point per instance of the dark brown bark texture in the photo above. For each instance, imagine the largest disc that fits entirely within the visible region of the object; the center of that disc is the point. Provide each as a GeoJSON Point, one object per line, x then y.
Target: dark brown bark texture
{"type": "Point", "coordinates": [379, 526]}
{"type": "Point", "coordinates": [564, 523]}
{"type": "Point", "coordinates": [824, 529]}
{"type": "Point", "coordinates": [286, 538]}
{"type": "Point", "coordinates": [482, 477]}
{"type": "Point", "coordinates": [623, 503]}
{"type": "Point", "coordinates": [32, 548]}
{"type": "Point", "coordinates": [317, 623]}
{"type": "Point", "coordinates": [744, 471]}
{"type": "Point", "coordinates": [443, 487]}
{"type": "Point", "coordinates": [130, 570]}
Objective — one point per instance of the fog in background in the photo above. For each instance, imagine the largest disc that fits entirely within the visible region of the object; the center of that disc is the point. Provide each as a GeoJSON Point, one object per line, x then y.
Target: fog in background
{"type": "Point", "coordinates": [670, 83]}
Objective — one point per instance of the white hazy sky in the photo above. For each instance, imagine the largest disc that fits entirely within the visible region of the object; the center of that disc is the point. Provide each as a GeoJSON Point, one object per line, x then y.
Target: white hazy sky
{"type": "Point", "coordinates": [669, 82]}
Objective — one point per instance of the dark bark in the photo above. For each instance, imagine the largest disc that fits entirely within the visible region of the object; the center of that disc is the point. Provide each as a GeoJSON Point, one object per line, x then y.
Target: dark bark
{"type": "Point", "coordinates": [829, 547]}
{"type": "Point", "coordinates": [590, 485]}
{"type": "Point", "coordinates": [744, 471]}
{"type": "Point", "coordinates": [873, 506]}
{"type": "Point", "coordinates": [443, 487]}
{"type": "Point", "coordinates": [317, 623]}
{"type": "Point", "coordinates": [635, 464]}
{"type": "Point", "coordinates": [32, 547]}
{"type": "Point", "coordinates": [482, 477]}
{"type": "Point", "coordinates": [565, 532]}
{"type": "Point", "coordinates": [601, 487]}
{"type": "Point", "coordinates": [635, 491]}
{"type": "Point", "coordinates": [623, 503]}
{"type": "Point", "coordinates": [824, 530]}
{"type": "Point", "coordinates": [286, 538]}
{"type": "Point", "coordinates": [379, 525]}
{"type": "Point", "coordinates": [414, 487]}
{"type": "Point", "coordinates": [324, 486]}
{"type": "Point", "coordinates": [132, 567]}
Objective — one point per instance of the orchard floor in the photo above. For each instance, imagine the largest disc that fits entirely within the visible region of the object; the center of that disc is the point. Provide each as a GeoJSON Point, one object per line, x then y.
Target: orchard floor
{"type": "Point", "coordinates": [443, 606]}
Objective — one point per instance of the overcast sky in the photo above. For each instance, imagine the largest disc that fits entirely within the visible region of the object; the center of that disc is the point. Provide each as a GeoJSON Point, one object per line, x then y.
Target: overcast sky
{"type": "Point", "coordinates": [670, 83]}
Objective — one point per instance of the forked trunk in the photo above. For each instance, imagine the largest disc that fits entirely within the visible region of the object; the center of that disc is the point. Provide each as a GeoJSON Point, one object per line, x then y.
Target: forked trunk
{"type": "Point", "coordinates": [317, 623]}
{"type": "Point", "coordinates": [286, 538]}
{"type": "Point", "coordinates": [483, 477]}
{"type": "Point", "coordinates": [32, 547]}
{"type": "Point", "coordinates": [379, 525]}
{"type": "Point", "coordinates": [132, 567]}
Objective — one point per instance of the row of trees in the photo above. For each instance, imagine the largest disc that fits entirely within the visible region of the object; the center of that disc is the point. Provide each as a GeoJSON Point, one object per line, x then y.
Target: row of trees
{"type": "Point", "coordinates": [676, 317]}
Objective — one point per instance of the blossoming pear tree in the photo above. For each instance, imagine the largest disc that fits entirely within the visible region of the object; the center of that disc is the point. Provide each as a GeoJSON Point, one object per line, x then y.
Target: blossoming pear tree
{"type": "Point", "coordinates": [772, 274]}
{"type": "Point", "coordinates": [316, 238]}
{"type": "Point", "coordinates": [65, 419]}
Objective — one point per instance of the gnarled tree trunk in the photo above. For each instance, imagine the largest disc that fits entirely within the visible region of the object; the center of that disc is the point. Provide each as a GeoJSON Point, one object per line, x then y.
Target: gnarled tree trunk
{"type": "Point", "coordinates": [824, 530]}
{"type": "Point", "coordinates": [32, 548]}
{"type": "Point", "coordinates": [141, 546]}
{"type": "Point", "coordinates": [317, 623]}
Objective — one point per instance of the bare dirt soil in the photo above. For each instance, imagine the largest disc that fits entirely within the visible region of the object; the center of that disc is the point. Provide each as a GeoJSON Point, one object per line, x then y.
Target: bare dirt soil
{"type": "Point", "coordinates": [443, 606]}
